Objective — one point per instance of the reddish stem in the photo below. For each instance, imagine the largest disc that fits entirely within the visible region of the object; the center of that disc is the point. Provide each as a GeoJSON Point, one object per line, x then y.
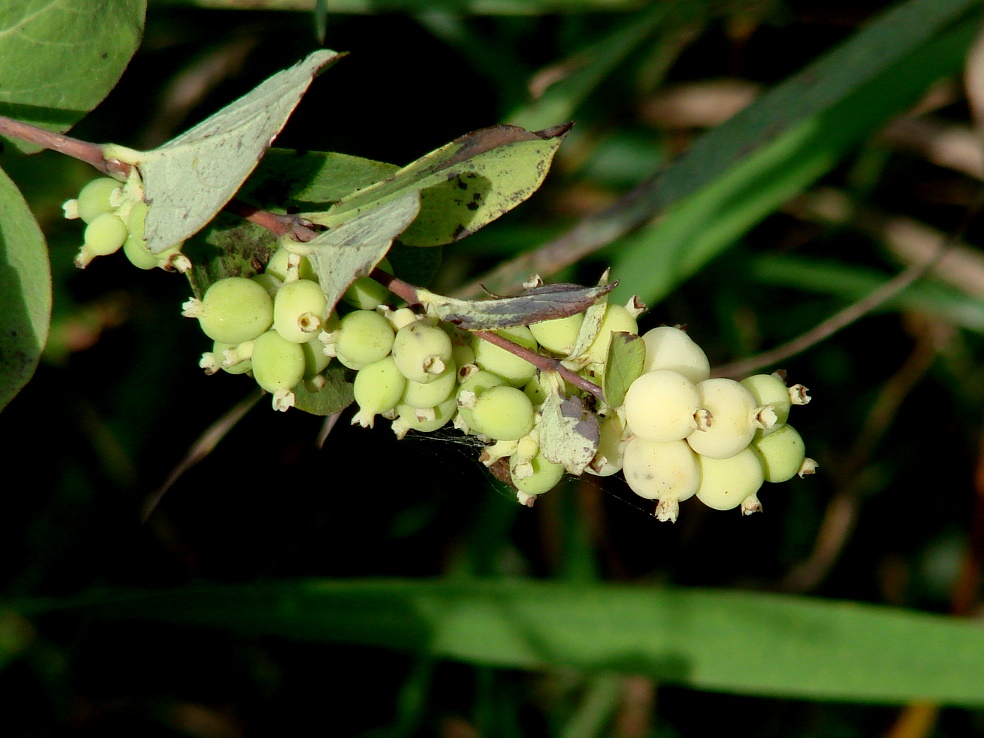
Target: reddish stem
{"type": "Point", "coordinates": [545, 363]}
{"type": "Point", "coordinates": [85, 151]}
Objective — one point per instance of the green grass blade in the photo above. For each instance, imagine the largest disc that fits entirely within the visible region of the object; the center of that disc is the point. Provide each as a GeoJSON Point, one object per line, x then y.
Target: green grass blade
{"type": "Point", "coordinates": [745, 169]}
{"type": "Point", "coordinates": [742, 642]}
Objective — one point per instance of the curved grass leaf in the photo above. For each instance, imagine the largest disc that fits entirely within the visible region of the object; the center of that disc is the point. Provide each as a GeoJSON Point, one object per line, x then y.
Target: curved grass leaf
{"type": "Point", "coordinates": [59, 60]}
{"type": "Point", "coordinates": [741, 171]}
{"type": "Point", "coordinates": [191, 177]}
{"type": "Point", "coordinates": [25, 291]}
{"type": "Point", "coordinates": [853, 282]}
{"type": "Point", "coordinates": [729, 641]}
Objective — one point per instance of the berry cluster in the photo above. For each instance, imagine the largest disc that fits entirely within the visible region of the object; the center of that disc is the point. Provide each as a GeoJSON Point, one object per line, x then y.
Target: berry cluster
{"type": "Point", "coordinates": [267, 325]}
{"type": "Point", "coordinates": [688, 434]}
{"type": "Point", "coordinates": [114, 213]}
{"type": "Point", "coordinates": [678, 432]}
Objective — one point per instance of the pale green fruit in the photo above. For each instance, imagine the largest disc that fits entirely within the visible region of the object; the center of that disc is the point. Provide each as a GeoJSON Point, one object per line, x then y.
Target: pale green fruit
{"type": "Point", "coordinates": [726, 483]}
{"type": "Point", "coordinates": [663, 405]}
{"type": "Point", "coordinates": [315, 360]}
{"type": "Point", "coordinates": [101, 195]}
{"type": "Point", "coordinates": [377, 388]}
{"type": "Point", "coordinates": [278, 367]}
{"type": "Point", "coordinates": [546, 475]}
{"type": "Point", "coordinates": [233, 310]}
{"type": "Point", "coordinates": [502, 413]}
{"type": "Point", "coordinates": [365, 293]}
{"type": "Point", "coordinates": [234, 359]}
{"type": "Point", "coordinates": [782, 454]}
{"type": "Point", "coordinates": [668, 347]}
{"type": "Point", "coordinates": [666, 471]}
{"type": "Point", "coordinates": [422, 351]}
{"type": "Point", "coordinates": [470, 390]}
{"type": "Point", "coordinates": [362, 338]}
{"type": "Point", "coordinates": [425, 421]}
{"type": "Point", "coordinates": [612, 437]}
{"type": "Point", "coordinates": [105, 234]}
{"type": "Point", "coordinates": [298, 308]}
{"type": "Point", "coordinates": [515, 370]}
{"type": "Point", "coordinates": [558, 335]}
{"type": "Point", "coordinates": [771, 390]}
{"type": "Point", "coordinates": [618, 318]}
{"type": "Point", "coordinates": [423, 395]}
{"type": "Point", "coordinates": [279, 267]}
{"type": "Point", "coordinates": [733, 418]}
{"type": "Point", "coordinates": [135, 247]}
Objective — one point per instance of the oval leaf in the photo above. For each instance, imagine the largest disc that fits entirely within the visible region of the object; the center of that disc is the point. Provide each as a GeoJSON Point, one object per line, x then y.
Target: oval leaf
{"type": "Point", "coordinates": [25, 291]}
{"type": "Point", "coordinates": [52, 85]}
{"type": "Point", "coordinates": [465, 184]}
{"type": "Point", "coordinates": [190, 178]}
{"type": "Point", "coordinates": [626, 357]}
{"type": "Point", "coordinates": [351, 250]}
{"type": "Point", "coordinates": [532, 306]}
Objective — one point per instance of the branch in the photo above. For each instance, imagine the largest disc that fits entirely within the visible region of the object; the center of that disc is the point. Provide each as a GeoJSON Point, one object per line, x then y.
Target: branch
{"type": "Point", "coordinates": [85, 151]}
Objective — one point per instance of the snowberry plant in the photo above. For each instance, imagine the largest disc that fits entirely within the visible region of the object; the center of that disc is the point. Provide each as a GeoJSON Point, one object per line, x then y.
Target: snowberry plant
{"type": "Point", "coordinates": [301, 268]}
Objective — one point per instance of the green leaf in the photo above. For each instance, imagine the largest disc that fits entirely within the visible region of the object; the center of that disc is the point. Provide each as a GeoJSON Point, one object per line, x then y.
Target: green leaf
{"type": "Point", "coordinates": [309, 180]}
{"type": "Point", "coordinates": [464, 185]}
{"type": "Point", "coordinates": [25, 291]}
{"type": "Point", "coordinates": [351, 250]}
{"type": "Point", "coordinates": [743, 170]}
{"type": "Point", "coordinates": [191, 177]}
{"type": "Point", "coordinates": [626, 358]}
{"type": "Point", "coordinates": [729, 641]}
{"type": "Point", "coordinates": [590, 66]}
{"type": "Point", "coordinates": [334, 397]}
{"type": "Point", "coordinates": [59, 60]}
{"type": "Point", "coordinates": [569, 434]}
{"type": "Point", "coordinates": [853, 282]}
{"type": "Point", "coordinates": [531, 306]}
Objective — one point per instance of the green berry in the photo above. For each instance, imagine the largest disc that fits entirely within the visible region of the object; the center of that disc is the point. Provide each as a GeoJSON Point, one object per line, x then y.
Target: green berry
{"type": "Point", "coordinates": [664, 471]}
{"type": "Point", "coordinates": [315, 360]}
{"type": "Point", "coordinates": [515, 370]}
{"type": "Point", "coordinates": [101, 195]}
{"type": "Point", "coordinates": [783, 454]}
{"type": "Point", "coordinates": [362, 338]}
{"type": "Point", "coordinates": [234, 359]}
{"type": "Point", "coordinates": [663, 405]}
{"type": "Point", "coordinates": [365, 293]}
{"type": "Point", "coordinates": [502, 413]}
{"type": "Point", "coordinates": [422, 351]}
{"type": "Point", "coordinates": [425, 421]}
{"type": "Point", "coordinates": [105, 233]}
{"type": "Point", "coordinates": [727, 483]}
{"type": "Point", "coordinates": [558, 335]}
{"type": "Point", "coordinates": [298, 309]}
{"type": "Point", "coordinates": [233, 310]}
{"type": "Point", "coordinates": [278, 366]}
{"type": "Point", "coordinates": [668, 347]}
{"type": "Point", "coordinates": [476, 383]}
{"type": "Point", "coordinates": [288, 266]}
{"type": "Point", "coordinates": [545, 476]}
{"type": "Point", "coordinates": [378, 388]}
{"type": "Point", "coordinates": [617, 318]}
{"type": "Point", "coordinates": [423, 395]}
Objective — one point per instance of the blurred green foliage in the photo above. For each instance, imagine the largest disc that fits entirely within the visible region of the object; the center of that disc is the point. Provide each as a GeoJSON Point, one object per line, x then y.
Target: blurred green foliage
{"type": "Point", "coordinates": [751, 235]}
